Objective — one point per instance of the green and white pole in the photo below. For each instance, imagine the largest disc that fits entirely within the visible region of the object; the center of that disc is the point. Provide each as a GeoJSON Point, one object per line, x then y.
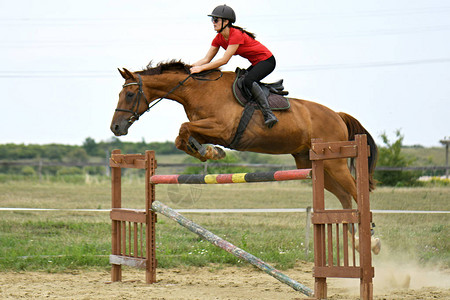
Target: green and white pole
{"type": "Point", "coordinates": [227, 246]}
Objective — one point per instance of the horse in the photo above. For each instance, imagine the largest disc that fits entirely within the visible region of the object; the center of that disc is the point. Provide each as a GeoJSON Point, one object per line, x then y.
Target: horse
{"type": "Point", "coordinates": [214, 114]}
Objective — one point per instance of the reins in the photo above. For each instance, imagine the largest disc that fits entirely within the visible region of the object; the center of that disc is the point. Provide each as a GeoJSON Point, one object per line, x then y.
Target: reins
{"type": "Point", "coordinates": [135, 115]}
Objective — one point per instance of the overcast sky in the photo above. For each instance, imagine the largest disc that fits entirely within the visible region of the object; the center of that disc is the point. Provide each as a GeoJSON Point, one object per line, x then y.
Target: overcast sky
{"type": "Point", "coordinates": [385, 62]}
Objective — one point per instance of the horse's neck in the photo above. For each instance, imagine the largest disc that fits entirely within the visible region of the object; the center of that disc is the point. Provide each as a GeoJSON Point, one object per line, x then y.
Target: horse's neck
{"type": "Point", "coordinates": [199, 98]}
{"type": "Point", "coordinates": [167, 86]}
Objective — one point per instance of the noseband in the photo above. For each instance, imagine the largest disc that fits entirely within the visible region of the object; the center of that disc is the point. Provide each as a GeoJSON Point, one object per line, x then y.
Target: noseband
{"type": "Point", "coordinates": [135, 115]}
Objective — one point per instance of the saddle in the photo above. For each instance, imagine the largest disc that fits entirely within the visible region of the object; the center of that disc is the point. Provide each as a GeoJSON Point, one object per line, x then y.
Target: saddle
{"type": "Point", "coordinates": [275, 95]}
{"type": "Point", "coordinates": [274, 92]}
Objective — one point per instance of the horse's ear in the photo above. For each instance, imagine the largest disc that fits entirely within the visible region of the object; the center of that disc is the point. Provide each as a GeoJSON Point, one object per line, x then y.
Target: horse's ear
{"type": "Point", "coordinates": [126, 74]}
{"type": "Point", "coordinates": [122, 73]}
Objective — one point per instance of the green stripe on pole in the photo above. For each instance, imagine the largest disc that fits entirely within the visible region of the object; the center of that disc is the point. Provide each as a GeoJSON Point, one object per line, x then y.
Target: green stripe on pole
{"type": "Point", "coordinates": [227, 246]}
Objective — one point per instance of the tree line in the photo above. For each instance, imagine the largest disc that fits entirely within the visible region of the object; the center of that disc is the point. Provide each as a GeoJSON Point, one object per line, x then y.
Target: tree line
{"type": "Point", "coordinates": [390, 155]}
{"type": "Point", "coordinates": [76, 153]}
{"type": "Point", "coordinates": [89, 151]}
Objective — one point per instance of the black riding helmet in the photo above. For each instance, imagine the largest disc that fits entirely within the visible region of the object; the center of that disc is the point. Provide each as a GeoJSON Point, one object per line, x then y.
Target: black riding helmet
{"type": "Point", "coordinates": [224, 12]}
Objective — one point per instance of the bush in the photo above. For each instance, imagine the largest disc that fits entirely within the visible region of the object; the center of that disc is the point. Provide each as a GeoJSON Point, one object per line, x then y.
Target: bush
{"type": "Point", "coordinates": [69, 171]}
{"type": "Point", "coordinates": [390, 156]}
{"type": "Point", "coordinates": [28, 171]}
{"type": "Point", "coordinates": [231, 158]}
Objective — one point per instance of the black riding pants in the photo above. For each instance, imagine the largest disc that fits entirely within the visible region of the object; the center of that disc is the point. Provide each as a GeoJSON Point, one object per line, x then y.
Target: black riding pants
{"type": "Point", "coordinates": [259, 71]}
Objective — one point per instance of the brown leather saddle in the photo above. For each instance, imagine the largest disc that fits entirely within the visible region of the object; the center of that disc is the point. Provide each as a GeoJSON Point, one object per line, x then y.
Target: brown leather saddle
{"type": "Point", "coordinates": [274, 92]}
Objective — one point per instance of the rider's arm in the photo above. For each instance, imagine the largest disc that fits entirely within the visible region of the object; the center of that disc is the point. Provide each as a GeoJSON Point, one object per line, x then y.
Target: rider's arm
{"type": "Point", "coordinates": [208, 57]}
{"type": "Point", "coordinates": [231, 50]}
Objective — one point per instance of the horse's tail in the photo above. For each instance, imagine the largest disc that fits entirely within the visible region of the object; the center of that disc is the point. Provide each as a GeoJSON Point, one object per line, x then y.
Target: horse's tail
{"type": "Point", "coordinates": [354, 127]}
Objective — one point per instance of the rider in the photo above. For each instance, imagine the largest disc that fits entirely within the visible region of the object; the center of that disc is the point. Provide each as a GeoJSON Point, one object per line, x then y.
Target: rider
{"type": "Point", "coordinates": [237, 41]}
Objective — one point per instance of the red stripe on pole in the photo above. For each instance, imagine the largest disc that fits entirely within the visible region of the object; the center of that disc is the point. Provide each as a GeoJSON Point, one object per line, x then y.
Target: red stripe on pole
{"type": "Point", "coordinates": [164, 179]}
{"type": "Point", "coordinates": [224, 178]}
{"type": "Point", "coordinates": [292, 174]}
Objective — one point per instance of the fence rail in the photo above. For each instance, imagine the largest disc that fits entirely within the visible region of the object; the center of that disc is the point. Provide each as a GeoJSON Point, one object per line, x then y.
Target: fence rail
{"type": "Point", "coordinates": [43, 163]}
{"type": "Point", "coordinates": [202, 165]}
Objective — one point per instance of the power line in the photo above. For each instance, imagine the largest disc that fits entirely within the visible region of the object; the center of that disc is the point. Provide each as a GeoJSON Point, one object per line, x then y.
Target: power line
{"type": "Point", "coordinates": [353, 14]}
{"type": "Point", "coordinates": [363, 65]}
{"type": "Point", "coordinates": [278, 38]}
{"type": "Point", "coordinates": [325, 67]}
{"type": "Point", "coordinates": [284, 17]}
{"type": "Point", "coordinates": [55, 74]}
{"type": "Point", "coordinates": [366, 33]}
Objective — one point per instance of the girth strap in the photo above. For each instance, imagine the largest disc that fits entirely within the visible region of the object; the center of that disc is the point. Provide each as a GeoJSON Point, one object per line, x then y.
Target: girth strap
{"type": "Point", "coordinates": [247, 115]}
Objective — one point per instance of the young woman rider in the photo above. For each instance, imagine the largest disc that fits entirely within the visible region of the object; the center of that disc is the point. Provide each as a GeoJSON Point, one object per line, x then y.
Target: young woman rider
{"type": "Point", "coordinates": [237, 41]}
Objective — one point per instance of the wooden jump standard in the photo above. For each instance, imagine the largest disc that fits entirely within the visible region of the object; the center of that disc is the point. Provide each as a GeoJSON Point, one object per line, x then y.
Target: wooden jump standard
{"type": "Point", "coordinates": [129, 226]}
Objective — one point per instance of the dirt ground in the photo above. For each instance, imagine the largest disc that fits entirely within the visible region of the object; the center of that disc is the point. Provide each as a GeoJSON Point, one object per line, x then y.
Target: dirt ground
{"type": "Point", "coordinates": [217, 283]}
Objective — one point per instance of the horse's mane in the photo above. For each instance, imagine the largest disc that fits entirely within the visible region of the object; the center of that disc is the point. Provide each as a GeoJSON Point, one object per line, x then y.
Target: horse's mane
{"type": "Point", "coordinates": [173, 65]}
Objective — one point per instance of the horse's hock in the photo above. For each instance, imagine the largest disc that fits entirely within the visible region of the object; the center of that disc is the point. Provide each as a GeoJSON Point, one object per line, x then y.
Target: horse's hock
{"type": "Point", "coordinates": [335, 255]}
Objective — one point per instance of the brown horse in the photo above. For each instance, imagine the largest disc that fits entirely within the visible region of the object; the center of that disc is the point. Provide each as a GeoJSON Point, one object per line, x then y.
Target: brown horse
{"type": "Point", "coordinates": [214, 115]}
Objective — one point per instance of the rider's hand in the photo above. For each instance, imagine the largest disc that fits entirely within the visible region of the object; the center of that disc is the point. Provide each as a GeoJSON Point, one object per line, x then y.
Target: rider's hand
{"type": "Point", "coordinates": [196, 69]}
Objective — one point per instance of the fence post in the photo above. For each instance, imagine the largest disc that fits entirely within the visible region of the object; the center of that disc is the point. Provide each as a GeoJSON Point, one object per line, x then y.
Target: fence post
{"type": "Point", "coordinates": [320, 285]}
{"type": "Point", "coordinates": [150, 270]}
{"type": "Point", "coordinates": [107, 167]}
{"type": "Point", "coordinates": [362, 185]}
{"type": "Point", "coordinates": [307, 229]}
{"type": "Point", "coordinates": [116, 202]}
{"type": "Point", "coordinates": [40, 169]}
{"type": "Point", "coordinates": [205, 168]}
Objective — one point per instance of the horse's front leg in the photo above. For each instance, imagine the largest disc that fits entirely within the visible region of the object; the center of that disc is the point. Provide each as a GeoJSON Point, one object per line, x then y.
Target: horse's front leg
{"type": "Point", "coordinates": [191, 137]}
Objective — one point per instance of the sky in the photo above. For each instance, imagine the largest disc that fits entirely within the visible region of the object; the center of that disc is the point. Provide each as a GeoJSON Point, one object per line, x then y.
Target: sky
{"type": "Point", "coordinates": [385, 62]}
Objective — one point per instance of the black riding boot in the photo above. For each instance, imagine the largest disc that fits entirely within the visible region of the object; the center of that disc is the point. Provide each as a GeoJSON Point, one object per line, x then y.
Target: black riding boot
{"type": "Point", "coordinates": [261, 99]}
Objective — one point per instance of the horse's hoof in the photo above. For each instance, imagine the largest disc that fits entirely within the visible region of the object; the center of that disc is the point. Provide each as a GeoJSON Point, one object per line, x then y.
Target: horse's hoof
{"type": "Point", "coordinates": [375, 244]}
{"type": "Point", "coordinates": [214, 153]}
{"type": "Point", "coordinates": [220, 153]}
{"type": "Point", "coordinates": [197, 146]}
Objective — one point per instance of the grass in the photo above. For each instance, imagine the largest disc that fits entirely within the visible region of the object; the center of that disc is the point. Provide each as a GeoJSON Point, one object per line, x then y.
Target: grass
{"type": "Point", "coordinates": [426, 156]}
{"type": "Point", "coordinates": [58, 241]}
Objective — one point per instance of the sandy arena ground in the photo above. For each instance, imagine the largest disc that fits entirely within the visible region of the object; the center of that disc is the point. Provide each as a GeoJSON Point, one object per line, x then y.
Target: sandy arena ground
{"type": "Point", "coordinates": [217, 283]}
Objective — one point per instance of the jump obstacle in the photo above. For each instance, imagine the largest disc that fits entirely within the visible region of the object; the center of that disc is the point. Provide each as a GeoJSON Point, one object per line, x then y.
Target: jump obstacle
{"type": "Point", "coordinates": [133, 230]}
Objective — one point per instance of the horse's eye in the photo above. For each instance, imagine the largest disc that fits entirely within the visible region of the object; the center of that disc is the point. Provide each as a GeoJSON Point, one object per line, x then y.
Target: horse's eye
{"type": "Point", "coordinates": [129, 96]}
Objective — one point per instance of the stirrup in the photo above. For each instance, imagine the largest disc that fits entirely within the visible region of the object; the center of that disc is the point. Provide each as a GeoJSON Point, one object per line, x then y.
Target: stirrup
{"type": "Point", "coordinates": [271, 120]}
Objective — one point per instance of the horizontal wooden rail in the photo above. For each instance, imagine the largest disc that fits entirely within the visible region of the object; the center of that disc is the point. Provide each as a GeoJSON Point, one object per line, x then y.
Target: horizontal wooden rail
{"type": "Point", "coordinates": [335, 216]}
{"type": "Point", "coordinates": [130, 215]}
{"type": "Point", "coordinates": [140, 263]}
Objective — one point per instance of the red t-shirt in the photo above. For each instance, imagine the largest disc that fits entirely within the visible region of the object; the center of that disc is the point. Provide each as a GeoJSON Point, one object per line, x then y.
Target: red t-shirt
{"type": "Point", "coordinates": [249, 48]}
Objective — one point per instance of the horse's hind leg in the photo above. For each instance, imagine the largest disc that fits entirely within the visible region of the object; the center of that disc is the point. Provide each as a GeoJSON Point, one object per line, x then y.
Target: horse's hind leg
{"type": "Point", "coordinates": [344, 197]}
{"type": "Point", "coordinates": [340, 182]}
{"type": "Point", "coordinates": [344, 188]}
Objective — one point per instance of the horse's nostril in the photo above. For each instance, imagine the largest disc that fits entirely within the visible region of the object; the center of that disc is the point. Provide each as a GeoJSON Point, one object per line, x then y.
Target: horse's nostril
{"type": "Point", "coordinates": [116, 128]}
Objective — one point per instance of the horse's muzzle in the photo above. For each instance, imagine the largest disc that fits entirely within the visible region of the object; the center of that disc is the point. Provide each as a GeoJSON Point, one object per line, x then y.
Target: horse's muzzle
{"type": "Point", "coordinates": [120, 127]}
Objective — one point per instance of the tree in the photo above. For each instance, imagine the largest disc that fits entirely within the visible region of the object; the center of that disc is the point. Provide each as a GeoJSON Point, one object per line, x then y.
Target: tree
{"type": "Point", "coordinates": [91, 147]}
{"type": "Point", "coordinates": [391, 156]}
{"type": "Point", "coordinates": [77, 155]}
{"type": "Point", "coordinates": [231, 158]}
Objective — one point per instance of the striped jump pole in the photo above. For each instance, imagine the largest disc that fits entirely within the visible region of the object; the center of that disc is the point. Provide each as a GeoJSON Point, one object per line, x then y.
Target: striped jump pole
{"type": "Point", "coordinates": [232, 178]}
{"type": "Point", "coordinates": [227, 246]}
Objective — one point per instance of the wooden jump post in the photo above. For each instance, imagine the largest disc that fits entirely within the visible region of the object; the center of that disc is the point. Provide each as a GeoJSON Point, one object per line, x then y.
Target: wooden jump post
{"type": "Point", "coordinates": [133, 230]}
{"type": "Point", "coordinates": [325, 263]}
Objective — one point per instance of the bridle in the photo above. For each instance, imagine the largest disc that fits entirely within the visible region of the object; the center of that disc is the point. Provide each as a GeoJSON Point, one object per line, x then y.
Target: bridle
{"type": "Point", "coordinates": [137, 101]}
{"type": "Point", "coordinates": [135, 115]}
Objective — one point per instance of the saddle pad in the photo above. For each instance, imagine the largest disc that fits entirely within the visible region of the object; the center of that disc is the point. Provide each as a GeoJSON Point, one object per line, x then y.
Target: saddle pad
{"type": "Point", "coordinates": [276, 102]}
